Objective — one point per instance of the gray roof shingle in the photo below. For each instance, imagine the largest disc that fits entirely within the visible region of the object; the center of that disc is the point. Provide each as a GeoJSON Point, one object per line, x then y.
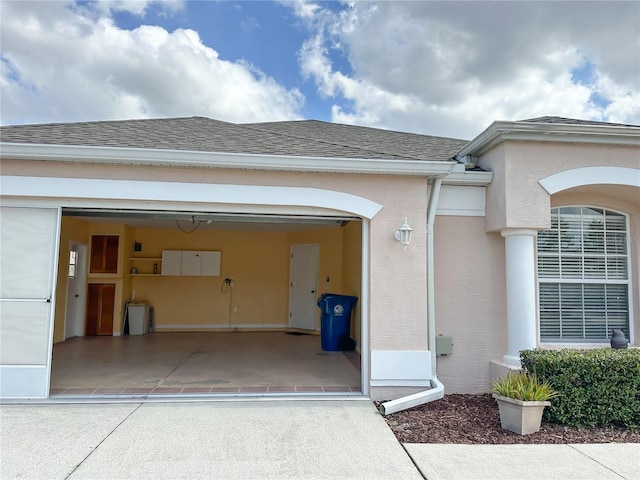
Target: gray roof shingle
{"type": "Point", "coordinates": [573, 121]}
{"type": "Point", "coordinates": [296, 138]}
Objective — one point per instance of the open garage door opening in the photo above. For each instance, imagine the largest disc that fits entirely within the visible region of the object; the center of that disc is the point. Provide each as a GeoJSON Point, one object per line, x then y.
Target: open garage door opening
{"type": "Point", "coordinates": [204, 303]}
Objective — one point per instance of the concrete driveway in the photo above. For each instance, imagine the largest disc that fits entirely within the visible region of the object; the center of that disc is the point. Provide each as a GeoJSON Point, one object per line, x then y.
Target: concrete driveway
{"type": "Point", "coordinates": [271, 439]}
{"type": "Point", "coordinates": [213, 440]}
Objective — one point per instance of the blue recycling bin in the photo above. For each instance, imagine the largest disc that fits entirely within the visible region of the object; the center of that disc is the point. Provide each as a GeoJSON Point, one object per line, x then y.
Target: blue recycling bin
{"type": "Point", "coordinates": [336, 319]}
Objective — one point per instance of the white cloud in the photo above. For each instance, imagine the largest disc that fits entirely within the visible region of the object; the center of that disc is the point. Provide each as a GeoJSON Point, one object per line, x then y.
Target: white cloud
{"type": "Point", "coordinates": [63, 63]}
{"type": "Point", "coordinates": [442, 68]}
{"type": "Point", "coordinates": [450, 68]}
{"type": "Point", "coordinates": [136, 7]}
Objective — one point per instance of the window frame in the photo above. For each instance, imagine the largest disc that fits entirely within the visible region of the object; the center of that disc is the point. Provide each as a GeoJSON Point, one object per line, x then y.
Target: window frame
{"type": "Point", "coordinates": [72, 262]}
{"type": "Point", "coordinates": [583, 280]}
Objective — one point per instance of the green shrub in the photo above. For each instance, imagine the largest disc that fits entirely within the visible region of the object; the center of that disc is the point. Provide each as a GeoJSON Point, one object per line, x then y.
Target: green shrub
{"type": "Point", "coordinates": [597, 387]}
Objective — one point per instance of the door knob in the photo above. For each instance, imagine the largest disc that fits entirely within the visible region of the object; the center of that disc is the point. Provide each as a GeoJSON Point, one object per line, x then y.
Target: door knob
{"type": "Point", "coordinates": [313, 291]}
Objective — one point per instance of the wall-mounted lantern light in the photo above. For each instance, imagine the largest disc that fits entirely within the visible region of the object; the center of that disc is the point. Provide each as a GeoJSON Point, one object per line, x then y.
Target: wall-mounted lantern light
{"type": "Point", "coordinates": [403, 234]}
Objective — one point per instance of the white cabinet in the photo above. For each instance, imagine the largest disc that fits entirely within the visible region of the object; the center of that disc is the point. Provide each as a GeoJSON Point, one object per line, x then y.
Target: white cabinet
{"type": "Point", "coordinates": [191, 263]}
{"type": "Point", "coordinates": [171, 262]}
{"type": "Point", "coordinates": [210, 264]}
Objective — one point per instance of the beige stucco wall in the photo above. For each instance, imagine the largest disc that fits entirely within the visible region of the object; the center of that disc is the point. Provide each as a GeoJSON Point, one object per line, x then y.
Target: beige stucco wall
{"type": "Point", "coordinates": [397, 308]}
{"type": "Point", "coordinates": [515, 199]}
{"type": "Point", "coordinates": [470, 301]}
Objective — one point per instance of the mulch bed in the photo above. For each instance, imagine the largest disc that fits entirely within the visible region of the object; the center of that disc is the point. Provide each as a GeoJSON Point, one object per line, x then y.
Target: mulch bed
{"type": "Point", "coordinates": [474, 419]}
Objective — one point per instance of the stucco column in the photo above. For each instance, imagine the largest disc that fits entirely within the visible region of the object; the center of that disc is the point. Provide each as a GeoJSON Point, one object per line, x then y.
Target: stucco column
{"type": "Point", "coordinates": [521, 292]}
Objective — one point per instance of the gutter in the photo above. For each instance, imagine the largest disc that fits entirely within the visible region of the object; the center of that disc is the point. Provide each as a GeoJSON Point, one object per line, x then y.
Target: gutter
{"type": "Point", "coordinates": [436, 392]}
{"type": "Point", "coordinates": [250, 161]}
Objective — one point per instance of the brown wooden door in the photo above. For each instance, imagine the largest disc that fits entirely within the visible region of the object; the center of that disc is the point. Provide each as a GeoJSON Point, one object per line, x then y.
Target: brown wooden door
{"type": "Point", "coordinates": [100, 309]}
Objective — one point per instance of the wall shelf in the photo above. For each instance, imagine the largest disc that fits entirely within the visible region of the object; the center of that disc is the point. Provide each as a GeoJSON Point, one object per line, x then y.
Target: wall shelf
{"type": "Point", "coordinates": [143, 267]}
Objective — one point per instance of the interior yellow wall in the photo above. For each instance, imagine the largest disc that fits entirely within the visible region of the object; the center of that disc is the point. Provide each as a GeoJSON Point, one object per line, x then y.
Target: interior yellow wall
{"type": "Point", "coordinates": [352, 271]}
{"type": "Point", "coordinates": [340, 263]}
{"type": "Point", "coordinates": [256, 261]}
{"type": "Point", "coordinates": [72, 230]}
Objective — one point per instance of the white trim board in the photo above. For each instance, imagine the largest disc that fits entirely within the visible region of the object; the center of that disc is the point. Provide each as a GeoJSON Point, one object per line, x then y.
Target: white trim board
{"type": "Point", "coordinates": [147, 191]}
{"type": "Point", "coordinates": [400, 368]}
{"type": "Point", "coordinates": [461, 201]}
{"type": "Point", "coordinates": [500, 131]}
{"type": "Point", "coordinates": [577, 177]}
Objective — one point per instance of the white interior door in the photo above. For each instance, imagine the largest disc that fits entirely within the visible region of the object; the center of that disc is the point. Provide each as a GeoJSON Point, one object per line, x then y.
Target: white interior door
{"type": "Point", "coordinates": [28, 264]}
{"type": "Point", "coordinates": [303, 310]}
{"type": "Point", "coordinates": [76, 291]}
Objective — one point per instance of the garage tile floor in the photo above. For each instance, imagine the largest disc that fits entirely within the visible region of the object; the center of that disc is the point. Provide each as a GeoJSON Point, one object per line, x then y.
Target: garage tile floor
{"type": "Point", "coordinates": [200, 363]}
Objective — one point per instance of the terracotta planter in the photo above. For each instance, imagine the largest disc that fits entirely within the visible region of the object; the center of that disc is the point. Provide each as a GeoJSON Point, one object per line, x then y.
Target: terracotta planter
{"type": "Point", "coordinates": [518, 416]}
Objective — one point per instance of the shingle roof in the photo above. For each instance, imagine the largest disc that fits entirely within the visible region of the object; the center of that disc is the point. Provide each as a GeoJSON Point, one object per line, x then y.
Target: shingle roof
{"type": "Point", "coordinates": [297, 138]}
{"type": "Point", "coordinates": [388, 142]}
{"type": "Point", "coordinates": [573, 121]}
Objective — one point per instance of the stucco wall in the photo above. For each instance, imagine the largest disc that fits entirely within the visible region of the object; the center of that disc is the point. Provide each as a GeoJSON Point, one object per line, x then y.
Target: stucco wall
{"type": "Point", "coordinates": [515, 199]}
{"type": "Point", "coordinates": [398, 277]}
{"type": "Point", "coordinates": [470, 301]}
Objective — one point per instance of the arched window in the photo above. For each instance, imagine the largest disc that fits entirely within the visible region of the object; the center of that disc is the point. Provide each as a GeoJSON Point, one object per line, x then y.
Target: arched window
{"type": "Point", "coordinates": [583, 275]}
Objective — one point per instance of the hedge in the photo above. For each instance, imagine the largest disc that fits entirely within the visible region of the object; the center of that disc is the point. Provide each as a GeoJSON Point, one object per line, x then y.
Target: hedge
{"type": "Point", "coordinates": [598, 387]}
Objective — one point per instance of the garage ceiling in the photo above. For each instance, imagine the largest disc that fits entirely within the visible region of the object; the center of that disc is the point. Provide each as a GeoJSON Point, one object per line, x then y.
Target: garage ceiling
{"type": "Point", "coordinates": [189, 221]}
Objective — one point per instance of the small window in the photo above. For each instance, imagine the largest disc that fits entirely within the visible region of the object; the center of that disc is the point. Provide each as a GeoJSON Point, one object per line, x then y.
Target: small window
{"type": "Point", "coordinates": [73, 260]}
{"type": "Point", "coordinates": [583, 275]}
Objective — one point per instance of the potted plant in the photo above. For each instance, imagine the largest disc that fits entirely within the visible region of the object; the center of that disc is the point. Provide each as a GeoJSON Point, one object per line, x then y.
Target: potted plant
{"type": "Point", "coordinates": [521, 400]}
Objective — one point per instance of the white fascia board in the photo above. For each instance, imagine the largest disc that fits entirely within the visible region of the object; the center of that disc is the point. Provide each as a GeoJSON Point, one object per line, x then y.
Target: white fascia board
{"type": "Point", "coordinates": [185, 158]}
{"type": "Point", "coordinates": [550, 132]}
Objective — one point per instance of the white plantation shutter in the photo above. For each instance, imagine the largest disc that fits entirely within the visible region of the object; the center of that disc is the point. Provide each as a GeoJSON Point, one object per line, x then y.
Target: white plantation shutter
{"type": "Point", "coordinates": [583, 275]}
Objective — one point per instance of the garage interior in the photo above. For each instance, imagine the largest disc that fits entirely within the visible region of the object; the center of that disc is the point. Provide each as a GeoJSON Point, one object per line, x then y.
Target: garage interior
{"type": "Point", "coordinates": [246, 323]}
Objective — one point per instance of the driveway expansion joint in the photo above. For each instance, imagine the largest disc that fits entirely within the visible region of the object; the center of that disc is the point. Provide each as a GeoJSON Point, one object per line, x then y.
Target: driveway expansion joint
{"type": "Point", "coordinates": [595, 460]}
{"type": "Point", "coordinates": [102, 441]}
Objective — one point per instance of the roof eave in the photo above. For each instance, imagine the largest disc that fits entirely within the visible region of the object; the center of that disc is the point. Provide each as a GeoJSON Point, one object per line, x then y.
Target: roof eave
{"type": "Point", "coordinates": [187, 158]}
{"type": "Point", "coordinates": [500, 131]}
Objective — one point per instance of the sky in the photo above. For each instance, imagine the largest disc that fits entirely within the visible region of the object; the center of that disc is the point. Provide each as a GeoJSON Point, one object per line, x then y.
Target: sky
{"type": "Point", "coordinates": [438, 68]}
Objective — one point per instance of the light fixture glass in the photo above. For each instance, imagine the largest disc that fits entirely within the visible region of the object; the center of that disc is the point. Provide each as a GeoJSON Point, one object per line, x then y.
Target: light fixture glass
{"type": "Point", "coordinates": [403, 234]}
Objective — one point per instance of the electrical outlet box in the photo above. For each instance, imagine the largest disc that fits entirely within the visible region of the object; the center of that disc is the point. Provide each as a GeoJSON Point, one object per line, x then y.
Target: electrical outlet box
{"type": "Point", "coordinates": [444, 345]}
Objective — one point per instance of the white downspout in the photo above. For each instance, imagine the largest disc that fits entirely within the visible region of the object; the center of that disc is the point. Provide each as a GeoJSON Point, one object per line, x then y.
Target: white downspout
{"type": "Point", "coordinates": [436, 392]}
